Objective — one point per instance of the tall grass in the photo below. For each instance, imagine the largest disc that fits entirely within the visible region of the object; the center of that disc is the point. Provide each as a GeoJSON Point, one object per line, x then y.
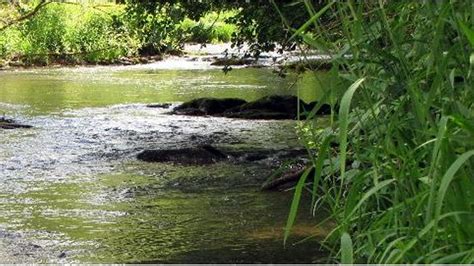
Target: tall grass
{"type": "Point", "coordinates": [398, 178]}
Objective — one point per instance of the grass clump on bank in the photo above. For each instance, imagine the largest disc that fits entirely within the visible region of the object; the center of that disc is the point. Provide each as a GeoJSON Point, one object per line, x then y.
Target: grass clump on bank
{"type": "Point", "coordinates": [395, 168]}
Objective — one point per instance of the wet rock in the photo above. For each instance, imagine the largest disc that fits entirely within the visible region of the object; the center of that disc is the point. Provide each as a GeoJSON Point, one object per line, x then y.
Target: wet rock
{"type": "Point", "coordinates": [259, 114]}
{"type": "Point", "coordinates": [232, 61]}
{"type": "Point", "coordinates": [159, 105]}
{"type": "Point", "coordinates": [11, 124]}
{"type": "Point", "coordinates": [208, 106]}
{"type": "Point", "coordinates": [199, 155]}
{"type": "Point", "coordinates": [278, 105]}
{"type": "Point", "coordinates": [270, 107]}
{"type": "Point", "coordinates": [143, 60]}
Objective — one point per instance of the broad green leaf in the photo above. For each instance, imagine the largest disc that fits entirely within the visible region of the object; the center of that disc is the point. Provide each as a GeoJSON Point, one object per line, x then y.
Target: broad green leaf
{"type": "Point", "coordinates": [448, 177]}
{"type": "Point", "coordinates": [347, 256]}
{"type": "Point", "coordinates": [468, 32]}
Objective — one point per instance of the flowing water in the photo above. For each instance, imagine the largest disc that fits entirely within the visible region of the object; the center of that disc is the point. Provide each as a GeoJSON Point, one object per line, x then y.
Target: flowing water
{"type": "Point", "coordinates": [72, 191]}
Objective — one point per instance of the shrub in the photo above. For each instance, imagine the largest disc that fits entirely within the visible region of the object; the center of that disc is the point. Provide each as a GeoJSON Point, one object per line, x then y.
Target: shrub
{"type": "Point", "coordinates": [44, 34]}
{"type": "Point", "coordinates": [94, 38]}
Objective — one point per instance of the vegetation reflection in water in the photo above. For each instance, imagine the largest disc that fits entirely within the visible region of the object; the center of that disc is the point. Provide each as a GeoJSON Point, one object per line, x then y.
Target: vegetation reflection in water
{"type": "Point", "coordinates": [150, 217]}
{"type": "Point", "coordinates": [45, 91]}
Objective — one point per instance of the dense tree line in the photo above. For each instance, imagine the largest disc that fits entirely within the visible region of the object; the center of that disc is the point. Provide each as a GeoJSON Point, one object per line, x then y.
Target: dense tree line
{"type": "Point", "coordinates": [262, 24]}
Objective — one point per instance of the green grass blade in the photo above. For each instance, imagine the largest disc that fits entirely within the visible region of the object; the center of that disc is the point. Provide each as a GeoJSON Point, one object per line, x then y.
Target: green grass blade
{"type": "Point", "coordinates": [448, 177]}
{"type": "Point", "coordinates": [420, 235]}
{"type": "Point", "coordinates": [468, 32]}
{"type": "Point", "coordinates": [434, 162]}
{"type": "Point", "coordinates": [323, 150]}
{"type": "Point", "coordinates": [310, 21]}
{"type": "Point", "coordinates": [368, 194]}
{"type": "Point", "coordinates": [295, 204]}
{"type": "Point", "coordinates": [347, 254]}
{"type": "Point", "coordinates": [453, 258]}
{"type": "Point", "coordinates": [344, 121]}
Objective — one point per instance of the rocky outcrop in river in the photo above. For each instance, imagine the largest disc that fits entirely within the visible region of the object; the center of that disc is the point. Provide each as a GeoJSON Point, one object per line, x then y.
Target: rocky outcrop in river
{"type": "Point", "coordinates": [205, 154]}
{"type": "Point", "coordinates": [11, 124]}
{"type": "Point", "coordinates": [270, 107]}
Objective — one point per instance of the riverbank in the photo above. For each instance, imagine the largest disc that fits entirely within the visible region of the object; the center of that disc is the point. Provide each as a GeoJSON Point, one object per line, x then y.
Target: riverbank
{"type": "Point", "coordinates": [222, 55]}
{"type": "Point", "coordinates": [61, 62]}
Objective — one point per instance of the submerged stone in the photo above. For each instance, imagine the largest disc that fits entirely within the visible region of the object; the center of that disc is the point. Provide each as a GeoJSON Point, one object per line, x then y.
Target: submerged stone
{"type": "Point", "coordinates": [233, 61]}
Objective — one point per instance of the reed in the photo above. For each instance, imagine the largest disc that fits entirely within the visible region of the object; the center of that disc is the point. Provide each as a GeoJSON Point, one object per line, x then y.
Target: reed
{"type": "Point", "coordinates": [399, 180]}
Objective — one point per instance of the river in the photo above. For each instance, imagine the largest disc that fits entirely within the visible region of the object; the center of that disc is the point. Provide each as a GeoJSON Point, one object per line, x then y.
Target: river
{"type": "Point", "coordinates": [72, 191]}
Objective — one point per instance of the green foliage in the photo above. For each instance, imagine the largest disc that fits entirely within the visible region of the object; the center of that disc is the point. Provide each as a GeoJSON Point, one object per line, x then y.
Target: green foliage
{"type": "Point", "coordinates": [96, 37]}
{"type": "Point", "coordinates": [10, 40]}
{"type": "Point", "coordinates": [256, 23]}
{"type": "Point", "coordinates": [156, 25]}
{"type": "Point", "coordinates": [70, 34]}
{"type": "Point", "coordinates": [44, 34]}
{"type": "Point", "coordinates": [210, 28]}
{"type": "Point", "coordinates": [398, 180]}
{"type": "Point", "coordinates": [79, 32]}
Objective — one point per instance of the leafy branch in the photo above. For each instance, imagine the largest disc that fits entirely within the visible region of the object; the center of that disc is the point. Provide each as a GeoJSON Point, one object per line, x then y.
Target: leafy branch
{"type": "Point", "coordinates": [36, 9]}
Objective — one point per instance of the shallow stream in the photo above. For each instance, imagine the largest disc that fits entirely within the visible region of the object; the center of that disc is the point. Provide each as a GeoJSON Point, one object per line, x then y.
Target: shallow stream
{"type": "Point", "coordinates": [72, 191]}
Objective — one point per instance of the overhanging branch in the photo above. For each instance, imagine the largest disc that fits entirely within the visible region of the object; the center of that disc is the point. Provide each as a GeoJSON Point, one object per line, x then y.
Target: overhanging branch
{"type": "Point", "coordinates": [37, 8]}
